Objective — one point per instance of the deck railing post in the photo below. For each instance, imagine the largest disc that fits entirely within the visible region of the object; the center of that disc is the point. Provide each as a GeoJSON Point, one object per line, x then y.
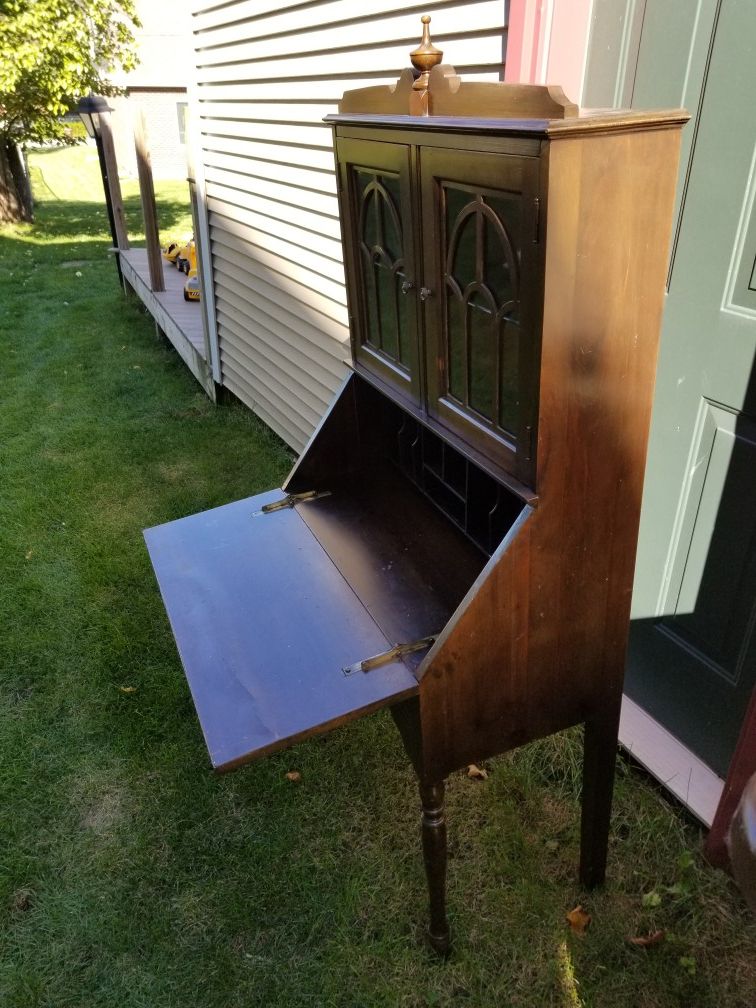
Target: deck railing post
{"type": "Point", "coordinates": [113, 196]}
{"type": "Point", "coordinates": [149, 210]}
{"type": "Point", "coordinates": [113, 184]}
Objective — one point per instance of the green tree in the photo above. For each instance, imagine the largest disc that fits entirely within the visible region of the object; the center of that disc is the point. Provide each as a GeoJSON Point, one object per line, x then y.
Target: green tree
{"type": "Point", "coordinates": [51, 53]}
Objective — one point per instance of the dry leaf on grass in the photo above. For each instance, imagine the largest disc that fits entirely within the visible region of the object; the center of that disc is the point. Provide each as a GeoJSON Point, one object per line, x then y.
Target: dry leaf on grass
{"type": "Point", "coordinates": [128, 689]}
{"type": "Point", "coordinates": [22, 900]}
{"type": "Point", "coordinates": [294, 775]}
{"type": "Point", "coordinates": [653, 938]}
{"type": "Point", "coordinates": [578, 920]}
{"type": "Point", "coordinates": [476, 772]}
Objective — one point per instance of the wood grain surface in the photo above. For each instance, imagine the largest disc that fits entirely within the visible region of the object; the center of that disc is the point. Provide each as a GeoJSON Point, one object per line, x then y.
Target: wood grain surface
{"type": "Point", "coordinates": [265, 624]}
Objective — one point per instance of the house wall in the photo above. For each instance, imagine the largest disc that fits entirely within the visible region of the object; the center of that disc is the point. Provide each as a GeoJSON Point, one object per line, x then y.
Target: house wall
{"type": "Point", "coordinates": [155, 86]}
{"type": "Point", "coordinates": [548, 42]}
{"type": "Point", "coordinates": [164, 134]}
{"type": "Point", "coordinates": [266, 76]}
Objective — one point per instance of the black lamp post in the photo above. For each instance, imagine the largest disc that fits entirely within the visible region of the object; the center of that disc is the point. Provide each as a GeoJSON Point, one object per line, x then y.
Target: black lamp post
{"type": "Point", "coordinates": [90, 109]}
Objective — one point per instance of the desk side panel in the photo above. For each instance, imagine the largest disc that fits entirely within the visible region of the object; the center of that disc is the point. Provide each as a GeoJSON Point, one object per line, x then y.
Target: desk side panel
{"type": "Point", "coordinates": [542, 645]}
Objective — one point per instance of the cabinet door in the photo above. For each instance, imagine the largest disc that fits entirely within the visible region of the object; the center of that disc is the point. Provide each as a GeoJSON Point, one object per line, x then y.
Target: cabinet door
{"type": "Point", "coordinates": [482, 282]}
{"type": "Point", "coordinates": [377, 222]}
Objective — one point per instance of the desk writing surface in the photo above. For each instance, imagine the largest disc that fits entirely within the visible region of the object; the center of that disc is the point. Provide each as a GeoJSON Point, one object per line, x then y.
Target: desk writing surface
{"type": "Point", "coordinates": [265, 623]}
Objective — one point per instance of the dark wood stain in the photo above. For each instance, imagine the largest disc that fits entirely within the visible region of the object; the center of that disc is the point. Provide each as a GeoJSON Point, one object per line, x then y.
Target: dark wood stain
{"type": "Point", "coordinates": [387, 539]}
{"type": "Point", "coordinates": [265, 624]}
{"type": "Point", "coordinates": [532, 621]}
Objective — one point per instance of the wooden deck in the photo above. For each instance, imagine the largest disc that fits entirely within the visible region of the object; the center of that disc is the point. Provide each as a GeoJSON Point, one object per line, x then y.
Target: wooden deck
{"type": "Point", "coordinates": [179, 320]}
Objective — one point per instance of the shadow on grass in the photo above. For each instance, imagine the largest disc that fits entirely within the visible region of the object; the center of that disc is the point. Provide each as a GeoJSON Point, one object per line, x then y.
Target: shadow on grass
{"type": "Point", "coordinates": [65, 219]}
{"type": "Point", "coordinates": [57, 215]}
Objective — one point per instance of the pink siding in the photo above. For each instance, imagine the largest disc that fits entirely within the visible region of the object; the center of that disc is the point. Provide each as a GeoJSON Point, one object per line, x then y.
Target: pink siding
{"type": "Point", "coordinates": [547, 43]}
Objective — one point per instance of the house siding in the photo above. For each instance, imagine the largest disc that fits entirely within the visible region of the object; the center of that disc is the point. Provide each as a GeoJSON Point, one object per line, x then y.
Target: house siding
{"type": "Point", "coordinates": [265, 79]}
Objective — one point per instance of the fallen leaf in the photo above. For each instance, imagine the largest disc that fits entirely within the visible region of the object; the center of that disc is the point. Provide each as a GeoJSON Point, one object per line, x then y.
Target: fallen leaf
{"type": "Point", "coordinates": [651, 899]}
{"type": "Point", "coordinates": [552, 845]}
{"type": "Point", "coordinates": [476, 772]}
{"type": "Point", "coordinates": [28, 555]}
{"type": "Point", "coordinates": [678, 889]}
{"type": "Point", "coordinates": [688, 963]}
{"type": "Point", "coordinates": [685, 861]}
{"type": "Point", "coordinates": [128, 689]}
{"type": "Point", "coordinates": [653, 938]}
{"type": "Point", "coordinates": [22, 899]}
{"type": "Point", "coordinates": [578, 920]}
{"type": "Point", "coordinates": [294, 775]}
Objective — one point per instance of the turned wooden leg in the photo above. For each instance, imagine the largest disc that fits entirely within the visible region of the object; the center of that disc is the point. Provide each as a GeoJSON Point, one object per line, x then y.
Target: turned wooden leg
{"type": "Point", "coordinates": [599, 758]}
{"type": "Point", "coordinates": [434, 853]}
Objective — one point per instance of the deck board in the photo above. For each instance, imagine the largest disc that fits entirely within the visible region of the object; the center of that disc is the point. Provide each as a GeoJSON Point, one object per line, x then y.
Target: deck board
{"type": "Point", "coordinates": [180, 320]}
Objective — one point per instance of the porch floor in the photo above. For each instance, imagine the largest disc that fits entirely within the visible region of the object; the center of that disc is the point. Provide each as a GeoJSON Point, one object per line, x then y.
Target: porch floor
{"type": "Point", "coordinates": [179, 320]}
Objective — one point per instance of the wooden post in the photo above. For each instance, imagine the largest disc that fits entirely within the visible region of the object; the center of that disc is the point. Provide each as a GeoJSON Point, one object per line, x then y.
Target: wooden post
{"type": "Point", "coordinates": [113, 184]}
{"type": "Point", "coordinates": [149, 210]}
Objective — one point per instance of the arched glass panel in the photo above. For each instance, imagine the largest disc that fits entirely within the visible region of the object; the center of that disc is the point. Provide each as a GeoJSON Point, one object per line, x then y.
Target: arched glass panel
{"type": "Point", "coordinates": [382, 264]}
{"type": "Point", "coordinates": [482, 335]}
{"type": "Point", "coordinates": [482, 282]}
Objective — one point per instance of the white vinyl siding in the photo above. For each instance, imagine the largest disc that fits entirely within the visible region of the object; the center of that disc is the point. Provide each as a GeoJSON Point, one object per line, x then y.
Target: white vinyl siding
{"type": "Point", "coordinates": [267, 75]}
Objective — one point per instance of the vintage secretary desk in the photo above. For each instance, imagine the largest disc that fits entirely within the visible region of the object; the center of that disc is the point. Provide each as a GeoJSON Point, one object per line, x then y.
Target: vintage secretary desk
{"type": "Point", "coordinates": [457, 541]}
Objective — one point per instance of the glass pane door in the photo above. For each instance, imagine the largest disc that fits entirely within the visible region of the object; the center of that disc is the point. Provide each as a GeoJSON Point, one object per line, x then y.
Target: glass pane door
{"type": "Point", "coordinates": [481, 278]}
{"type": "Point", "coordinates": [375, 192]}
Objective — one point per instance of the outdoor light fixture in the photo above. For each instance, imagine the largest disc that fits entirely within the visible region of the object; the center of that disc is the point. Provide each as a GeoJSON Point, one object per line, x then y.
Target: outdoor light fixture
{"type": "Point", "coordinates": [90, 108]}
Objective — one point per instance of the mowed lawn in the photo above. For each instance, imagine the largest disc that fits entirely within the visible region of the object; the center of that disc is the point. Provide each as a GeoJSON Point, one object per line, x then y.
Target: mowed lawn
{"type": "Point", "coordinates": [130, 875]}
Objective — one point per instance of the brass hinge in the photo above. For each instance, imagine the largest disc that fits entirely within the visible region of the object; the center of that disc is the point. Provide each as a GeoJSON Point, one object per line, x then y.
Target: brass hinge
{"type": "Point", "coordinates": [290, 500]}
{"type": "Point", "coordinates": [388, 656]}
{"type": "Point", "coordinates": [528, 443]}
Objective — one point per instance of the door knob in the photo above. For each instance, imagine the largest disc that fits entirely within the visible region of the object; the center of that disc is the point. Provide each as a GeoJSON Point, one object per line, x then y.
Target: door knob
{"type": "Point", "coordinates": [407, 286]}
{"type": "Point", "coordinates": [425, 293]}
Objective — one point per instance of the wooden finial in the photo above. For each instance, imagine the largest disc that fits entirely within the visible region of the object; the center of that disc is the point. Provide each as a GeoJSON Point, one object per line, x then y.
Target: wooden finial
{"type": "Point", "coordinates": [425, 57]}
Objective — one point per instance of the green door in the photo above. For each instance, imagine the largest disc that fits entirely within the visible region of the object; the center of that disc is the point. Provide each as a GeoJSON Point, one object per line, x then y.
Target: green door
{"type": "Point", "coordinates": [692, 661]}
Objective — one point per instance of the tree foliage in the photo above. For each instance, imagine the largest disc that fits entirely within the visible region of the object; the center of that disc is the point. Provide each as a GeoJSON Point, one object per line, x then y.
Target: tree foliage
{"type": "Point", "coordinates": [51, 53]}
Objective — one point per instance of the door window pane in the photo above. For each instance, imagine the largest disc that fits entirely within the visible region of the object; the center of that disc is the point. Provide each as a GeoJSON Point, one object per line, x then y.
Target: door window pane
{"type": "Point", "coordinates": [481, 276]}
{"type": "Point", "coordinates": [509, 384]}
{"type": "Point", "coordinates": [382, 263]}
{"type": "Point", "coordinates": [483, 335]}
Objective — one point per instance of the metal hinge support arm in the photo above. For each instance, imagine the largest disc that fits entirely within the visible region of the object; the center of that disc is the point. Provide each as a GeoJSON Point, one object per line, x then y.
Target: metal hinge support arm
{"type": "Point", "coordinates": [385, 657]}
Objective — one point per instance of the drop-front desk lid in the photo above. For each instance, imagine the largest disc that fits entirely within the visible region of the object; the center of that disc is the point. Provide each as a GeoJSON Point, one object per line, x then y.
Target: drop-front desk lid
{"type": "Point", "coordinates": [265, 625]}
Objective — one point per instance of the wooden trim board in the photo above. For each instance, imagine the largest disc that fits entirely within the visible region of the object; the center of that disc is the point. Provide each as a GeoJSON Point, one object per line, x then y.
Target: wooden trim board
{"type": "Point", "coordinates": [670, 762]}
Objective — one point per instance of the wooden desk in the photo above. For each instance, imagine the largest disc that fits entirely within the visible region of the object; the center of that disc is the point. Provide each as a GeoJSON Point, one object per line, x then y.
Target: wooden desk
{"type": "Point", "coordinates": [268, 609]}
{"type": "Point", "coordinates": [478, 476]}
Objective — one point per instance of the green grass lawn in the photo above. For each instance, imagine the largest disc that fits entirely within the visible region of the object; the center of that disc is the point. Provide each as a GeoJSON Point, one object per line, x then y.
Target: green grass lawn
{"type": "Point", "coordinates": [130, 876]}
